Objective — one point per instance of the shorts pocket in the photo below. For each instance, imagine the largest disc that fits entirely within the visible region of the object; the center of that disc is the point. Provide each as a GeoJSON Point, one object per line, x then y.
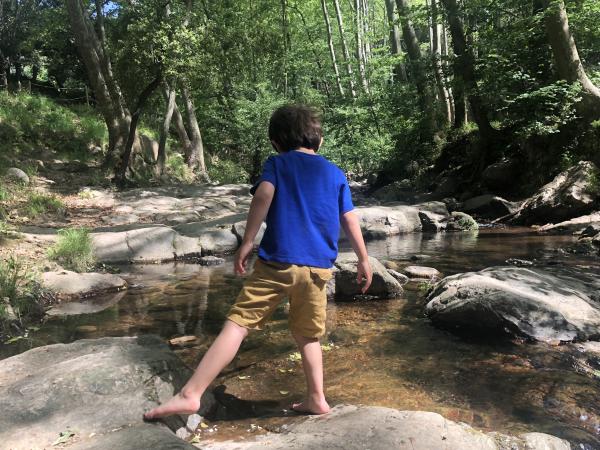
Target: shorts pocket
{"type": "Point", "coordinates": [320, 275]}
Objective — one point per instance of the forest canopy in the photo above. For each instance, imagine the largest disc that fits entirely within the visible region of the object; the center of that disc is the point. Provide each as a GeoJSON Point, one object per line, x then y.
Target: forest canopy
{"type": "Point", "coordinates": [406, 88]}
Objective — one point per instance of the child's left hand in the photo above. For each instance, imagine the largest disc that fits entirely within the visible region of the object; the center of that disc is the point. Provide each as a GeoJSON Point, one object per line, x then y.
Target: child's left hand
{"type": "Point", "coordinates": [241, 258]}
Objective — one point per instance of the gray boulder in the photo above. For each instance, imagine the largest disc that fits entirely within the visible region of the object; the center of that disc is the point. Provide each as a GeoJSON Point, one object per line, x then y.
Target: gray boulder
{"type": "Point", "coordinates": [67, 284]}
{"type": "Point", "coordinates": [551, 305]}
{"type": "Point", "coordinates": [17, 175]}
{"type": "Point", "coordinates": [570, 194]}
{"type": "Point", "coordinates": [214, 240]}
{"type": "Point", "coordinates": [499, 175]}
{"type": "Point", "coordinates": [351, 427]}
{"type": "Point", "coordinates": [88, 386]}
{"type": "Point", "coordinates": [488, 206]}
{"type": "Point", "coordinates": [379, 222]}
{"type": "Point", "coordinates": [149, 244]}
{"type": "Point", "coordinates": [343, 285]}
{"type": "Point", "coordinates": [422, 273]}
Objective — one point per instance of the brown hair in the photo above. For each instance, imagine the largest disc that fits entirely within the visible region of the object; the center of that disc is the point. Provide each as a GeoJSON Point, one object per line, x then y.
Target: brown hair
{"type": "Point", "coordinates": [294, 126]}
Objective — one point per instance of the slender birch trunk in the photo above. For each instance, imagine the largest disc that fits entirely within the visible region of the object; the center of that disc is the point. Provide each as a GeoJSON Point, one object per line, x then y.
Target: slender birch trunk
{"type": "Point", "coordinates": [332, 48]}
{"type": "Point", "coordinates": [340, 21]}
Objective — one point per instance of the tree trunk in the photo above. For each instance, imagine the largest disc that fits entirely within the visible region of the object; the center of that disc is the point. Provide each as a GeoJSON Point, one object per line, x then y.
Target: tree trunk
{"type": "Point", "coordinates": [360, 56]}
{"type": "Point", "coordinates": [164, 133]}
{"type": "Point", "coordinates": [395, 47]}
{"type": "Point", "coordinates": [464, 72]}
{"type": "Point", "coordinates": [340, 21]}
{"type": "Point", "coordinates": [195, 159]}
{"type": "Point", "coordinates": [436, 54]}
{"type": "Point", "coordinates": [566, 56]}
{"type": "Point", "coordinates": [417, 68]}
{"type": "Point", "coordinates": [332, 48]}
{"type": "Point", "coordinates": [366, 30]}
{"type": "Point", "coordinates": [106, 91]}
{"type": "Point", "coordinates": [3, 70]}
{"type": "Point", "coordinates": [121, 171]}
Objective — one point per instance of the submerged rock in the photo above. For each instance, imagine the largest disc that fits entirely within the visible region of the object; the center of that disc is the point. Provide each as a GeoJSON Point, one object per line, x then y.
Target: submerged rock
{"type": "Point", "coordinates": [570, 194]}
{"type": "Point", "coordinates": [343, 285]}
{"type": "Point", "coordinates": [422, 273]}
{"type": "Point", "coordinates": [89, 386]}
{"type": "Point", "coordinates": [351, 427]}
{"type": "Point", "coordinates": [69, 284]}
{"type": "Point", "coordinates": [552, 305]}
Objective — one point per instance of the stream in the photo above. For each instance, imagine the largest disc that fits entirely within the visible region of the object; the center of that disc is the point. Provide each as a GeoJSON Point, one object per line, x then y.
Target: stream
{"type": "Point", "coordinates": [383, 353]}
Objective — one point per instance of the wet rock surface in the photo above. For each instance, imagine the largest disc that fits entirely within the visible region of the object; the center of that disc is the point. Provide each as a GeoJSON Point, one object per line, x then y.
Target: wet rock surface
{"type": "Point", "coordinates": [343, 285]}
{"type": "Point", "coordinates": [545, 304]}
{"type": "Point", "coordinates": [351, 427]}
{"type": "Point", "coordinates": [69, 284]}
{"type": "Point", "coordinates": [90, 387]}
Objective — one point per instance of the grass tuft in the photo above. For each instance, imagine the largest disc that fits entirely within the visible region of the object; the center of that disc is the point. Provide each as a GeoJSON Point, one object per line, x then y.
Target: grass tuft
{"type": "Point", "coordinates": [73, 250]}
{"type": "Point", "coordinates": [38, 204]}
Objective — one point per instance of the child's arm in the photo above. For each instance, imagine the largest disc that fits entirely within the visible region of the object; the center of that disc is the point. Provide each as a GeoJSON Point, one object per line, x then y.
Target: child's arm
{"type": "Point", "coordinates": [351, 227]}
{"type": "Point", "coordinates": [256, 216]}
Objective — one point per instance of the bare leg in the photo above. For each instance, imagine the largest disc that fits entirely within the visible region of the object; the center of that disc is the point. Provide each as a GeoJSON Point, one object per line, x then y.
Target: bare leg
{"type": "Point", "coordinates": [312, 363]}
{"type": "Point", "coordinates": [220, 353]}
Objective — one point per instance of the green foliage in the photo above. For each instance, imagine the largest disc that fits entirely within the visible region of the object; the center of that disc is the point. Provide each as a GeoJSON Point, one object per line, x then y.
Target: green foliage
{"type": "Point", "coordinates": [73, 250]}
{"type": "Point", "coordinates": [593, 187]}
{"type": "Point", "coordinates": [227, 171]}
{"type": "Point", "coordinates": [178, 170]}
{"type": "Point", "coordinates": [31, 120]}
{"type": "Point", "coordinates": [18, 284]}
{"type": "Point", "coordinates": [38, 204]}
{"type": "Point", "coordinates": [464, 221]}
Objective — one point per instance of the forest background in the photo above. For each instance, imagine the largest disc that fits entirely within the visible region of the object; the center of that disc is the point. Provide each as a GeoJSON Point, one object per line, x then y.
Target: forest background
{"type": "Point", "coordinates": [408, 90]}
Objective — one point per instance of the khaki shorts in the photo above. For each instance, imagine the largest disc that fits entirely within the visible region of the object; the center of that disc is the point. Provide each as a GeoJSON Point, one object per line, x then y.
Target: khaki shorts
{"type": "Point", "coordinates": [269, 283]}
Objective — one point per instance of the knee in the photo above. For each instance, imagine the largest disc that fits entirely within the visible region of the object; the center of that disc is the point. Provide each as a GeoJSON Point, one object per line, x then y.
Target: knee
{"type": "Point", "coordinates": [238, 329]}
{"type": "Point", "coordinates": [303, 340]}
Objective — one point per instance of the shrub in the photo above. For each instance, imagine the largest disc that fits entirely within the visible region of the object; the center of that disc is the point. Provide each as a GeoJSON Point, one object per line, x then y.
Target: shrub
{"type": "Point", "coordinates": [73, 249]}
{"type": "Point", "coordinates": [17, 283]}
{"type": "Point", "coordinates": [38, 204]}
{"type": "Point", "coordinates": [178, 169]}
{"type": "Point", "coordinates": [226, 171]}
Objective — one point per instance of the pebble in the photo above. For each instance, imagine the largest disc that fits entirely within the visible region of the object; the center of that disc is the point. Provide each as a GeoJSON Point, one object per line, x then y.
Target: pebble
{"type": "Point", "coordinates": [193, 422]}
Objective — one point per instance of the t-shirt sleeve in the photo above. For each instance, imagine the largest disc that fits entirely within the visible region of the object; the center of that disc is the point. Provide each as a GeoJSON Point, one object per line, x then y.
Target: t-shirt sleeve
{"type": "Point", "coordinates": [268, 174]}
{"type": "Point", "coordinates": [345, 197]}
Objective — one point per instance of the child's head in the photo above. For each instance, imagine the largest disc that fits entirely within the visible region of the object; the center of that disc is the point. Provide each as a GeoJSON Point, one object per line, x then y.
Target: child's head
{"type": "Point", "coordinates": [295, 126]}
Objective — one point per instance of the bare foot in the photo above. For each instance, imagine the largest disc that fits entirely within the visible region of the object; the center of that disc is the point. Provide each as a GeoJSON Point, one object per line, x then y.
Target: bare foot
{"type": "Point", "coordinates": [179, 404]}
{"type": "Point", "coordinates": [312, 406]}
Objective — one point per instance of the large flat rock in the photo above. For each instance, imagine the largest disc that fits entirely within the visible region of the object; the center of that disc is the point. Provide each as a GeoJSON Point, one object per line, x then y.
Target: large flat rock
{"type": "Point", "coordinates": [151, 244]}
{"type": "Point", "coordinates": [72, 284]}
{"type": "Point", "coordinates": [378, 222]}
{"type": "Point", "coordinates": [550, 304]}
{"type": "Point", "coordinates": [88, 386]}
{"type": "Point", "coordinates": [350, 427]}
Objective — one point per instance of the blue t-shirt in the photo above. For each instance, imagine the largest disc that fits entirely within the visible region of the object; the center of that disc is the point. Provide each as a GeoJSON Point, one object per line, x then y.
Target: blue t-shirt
{"type": "Point", "coordinates": [303, 222]}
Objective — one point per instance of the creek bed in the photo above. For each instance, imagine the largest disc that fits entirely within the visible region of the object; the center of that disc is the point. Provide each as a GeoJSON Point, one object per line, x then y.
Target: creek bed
{"type": "Point", "coordinates": [383, 353]}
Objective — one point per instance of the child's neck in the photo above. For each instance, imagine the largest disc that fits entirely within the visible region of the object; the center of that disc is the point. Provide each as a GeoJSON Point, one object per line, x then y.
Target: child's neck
{"type": "Point", "coordinates": [310, 151]}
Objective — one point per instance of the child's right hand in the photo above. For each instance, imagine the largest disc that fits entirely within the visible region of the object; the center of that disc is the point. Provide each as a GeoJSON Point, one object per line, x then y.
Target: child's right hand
{"type": "Point", "coordinates": [364, 273]}
{"type": "Point", "coordinates": [241, 257]}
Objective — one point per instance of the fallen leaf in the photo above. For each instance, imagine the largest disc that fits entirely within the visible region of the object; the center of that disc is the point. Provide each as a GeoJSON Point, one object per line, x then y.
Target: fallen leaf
{"type": "Point", "coordinates": [14, 339]}
{"type": "Point", "coordinates": [203, 425]}
{"type": "Point", "coordinates": [282, 370]}
{"type": "Point", "coordinates": [63, 437]}
{"type": "Point", "coordinates": [243, 377]}
{"type": "Point", "coordinates": [284, 392]}
{"type": "Point", "coordinates": [195, 440]}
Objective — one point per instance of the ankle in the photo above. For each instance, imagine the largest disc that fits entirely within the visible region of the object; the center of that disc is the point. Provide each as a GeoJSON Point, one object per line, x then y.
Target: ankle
{"type": "Point", "coordinates": [317, 396]}
{"type": "Point", "coordinates": [189, 394]}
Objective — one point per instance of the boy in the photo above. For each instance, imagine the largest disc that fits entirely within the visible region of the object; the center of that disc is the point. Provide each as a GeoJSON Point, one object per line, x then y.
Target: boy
{"type": "Point", "coordinates": [303, 198]}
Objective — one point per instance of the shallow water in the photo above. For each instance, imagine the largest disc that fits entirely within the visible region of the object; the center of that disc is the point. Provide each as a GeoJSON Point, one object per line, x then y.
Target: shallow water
{"type": "Point", "coordinates": [383, 352]}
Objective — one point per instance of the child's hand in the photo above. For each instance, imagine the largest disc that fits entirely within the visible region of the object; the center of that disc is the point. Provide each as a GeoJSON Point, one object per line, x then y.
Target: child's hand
{"type": "Point", "coordinates": [364, 273]}
{"type": "Point", "coordinates": [241, 257]}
